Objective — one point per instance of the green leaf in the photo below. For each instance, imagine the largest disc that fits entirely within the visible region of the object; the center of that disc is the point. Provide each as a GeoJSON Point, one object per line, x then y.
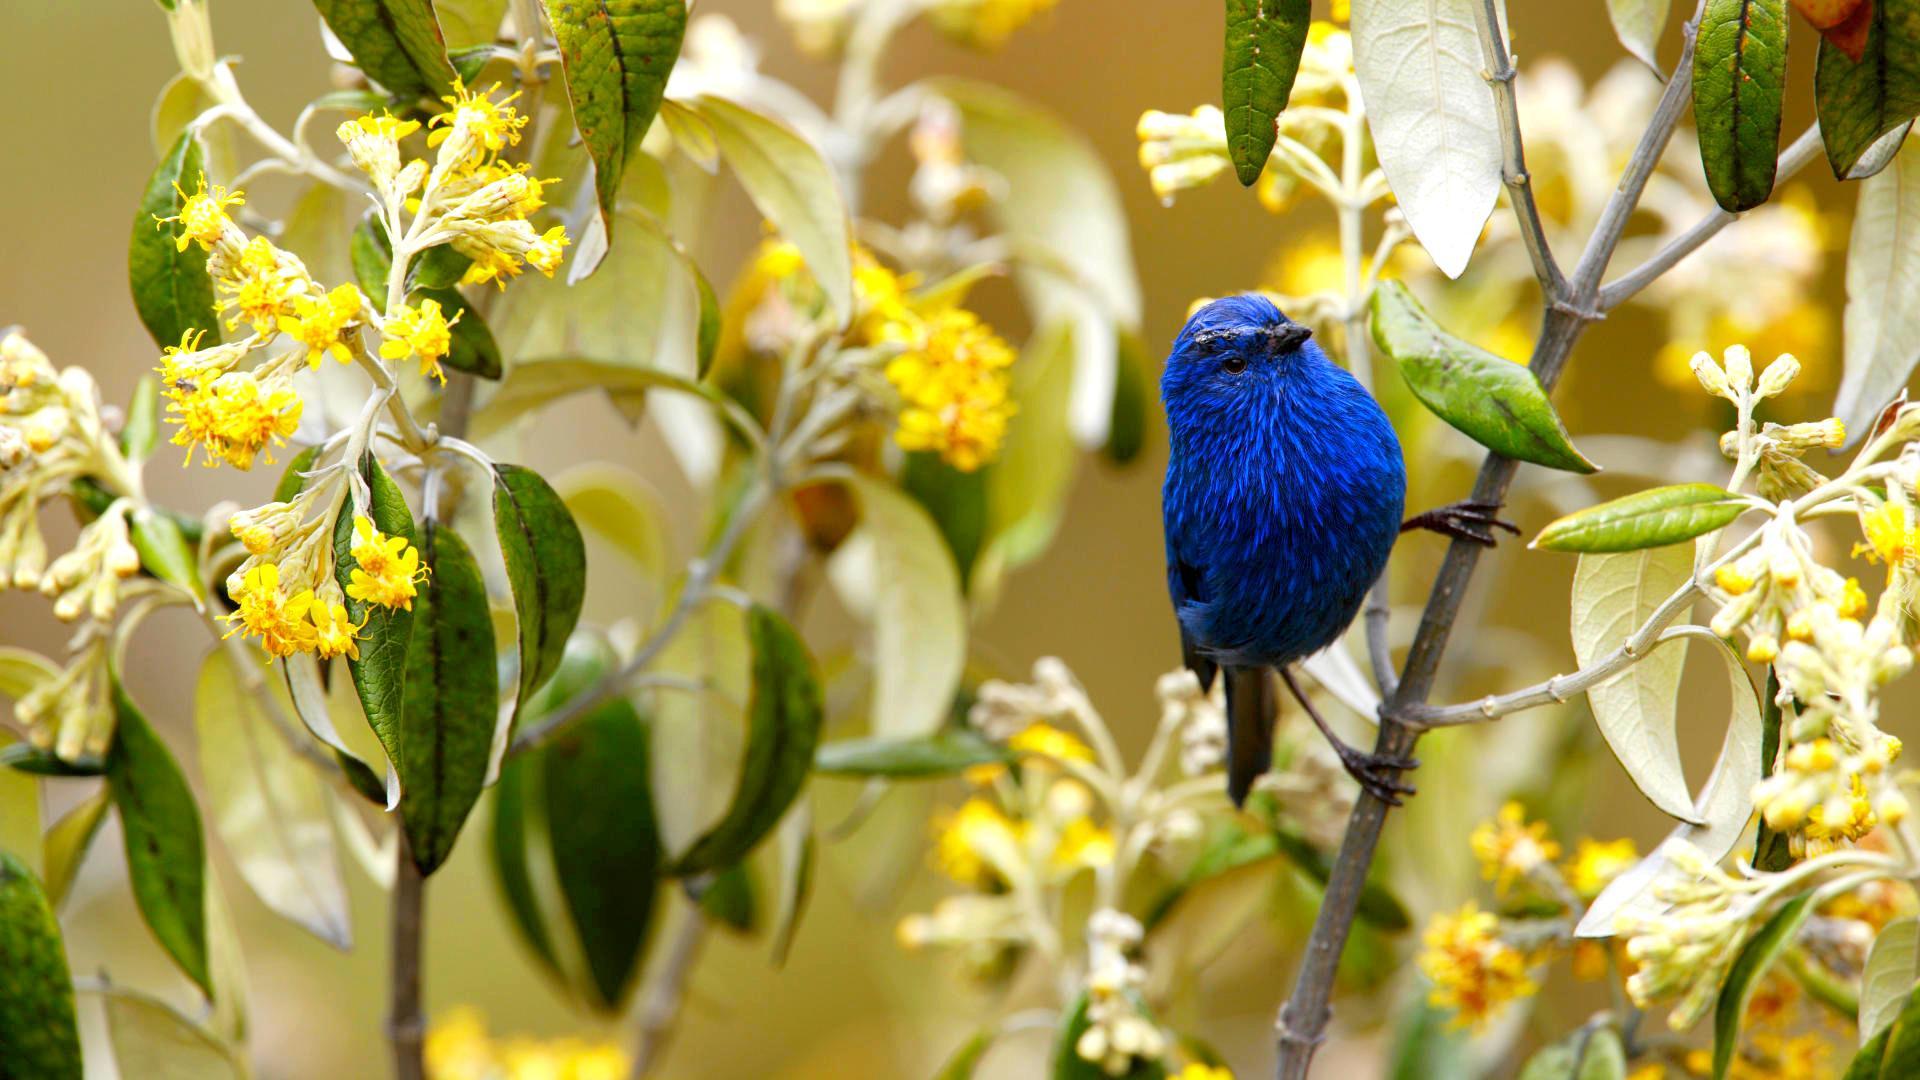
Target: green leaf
{"type": "Point", "coordinates": [291, 482]}
{"type": "Point", "coordinates": [783, 729]}
{"type": "Point", "coordinates": [605, 844]}
{"type": "Point", "coordinates": [1739, 77]}
{"type": "Point", "coordinates": [546, 567]}
{"type": "Point", "coordinates": [38, 1034]}
{"type": "Point", "coordinates": [514, 798]}
{"type": "Point", "coordinates": [919, 618]}
{"type": "Point", "coordinates": [616, 55]}
{"type": "Point", "coordinates": [1583, 1055]}
{"type": "Point", "coordinates": [1638, 24]}
{"type": "Point", "coordinates": [171, 289]}
{"type": "Point", "coordinates": [1069, 1065]}
{"type": "Point", "coordinates": [707, 335]}
{"type": "Point", "coordinates": [451, 698]}
{"type": "Point", "coordinates": [731, 900]}
{"type": "Point", "coordinates": [1902, 1058]}
{"type": "Point", "coordinates": [956, 500]}
{"type": "Point", "coordinates": [1656, 517]}
{"type": "Point", "coordinates": [380, 672]}
{"type": "Point", "coordinates": [1127, 427]}
{"type": "Point", "coordinates": [154, 1042]}
{"type": "Point", "coordinates": [268, 805]}
{"type": "Point", "coordinates": [943, 753]}
{"type": "Point", "coordinates": [1859, 103]}
{"type": "Point", "coordinates": [372, 256]}
{"type": "Point", "coordinates": [1892, 967]}
{"type": "Point", "coordinates": [397, 43]}
{"type": "Point", "coordinates": [20, 808]}
{"type": "Point", "coordinates": [1881, 330]}
{"type": "Point", "coordinates": [534, 385]}
{"type": "Point", "coordinates": [1744, 977]}
{"type": "Point", "coordinates": [69, 840]}
{"type": "Point", "coordinates": [967, 1058]}
{"type": "Point", "coordinates": [166, 857]}
{"type": "Point", "coordinates": [794, 187]}
{"type": "Point", "coordinates": [438, 267]}
{"type": "Point", "coordinates": [164, 550]}
{"type": "Point", "coordinates": [1262, 55]}
{"type": "Point", "coordinates": [1496, 403]}
{"type": "Point", "coordinates": [474, 350]}
{"type": "Point", "coordinates": [142, 430]}
{"type": "Point", "coordinates": [1866, 1064]}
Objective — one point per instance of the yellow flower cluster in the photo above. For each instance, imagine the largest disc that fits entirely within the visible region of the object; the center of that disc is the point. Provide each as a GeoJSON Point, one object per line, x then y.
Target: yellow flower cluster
{"type": "Point", "coordinates": [458, 1047]}
{"type": "Point", "coordinates": [423, 332]}
{"type": "Point", "coordinates": [478, 202]}
{"type": "Point", "coordinates": [1510, 849]}
{"type": "Point", "coordinates": [287, 593]}
{"type": "Point", "coordinates": [985, 24]}
{"type": "Point", "coordinates": [1474, 973]}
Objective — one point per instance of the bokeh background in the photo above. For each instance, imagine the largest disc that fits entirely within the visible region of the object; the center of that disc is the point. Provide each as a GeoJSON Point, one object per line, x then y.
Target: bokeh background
{"type": "Point", "coordinates": [849, 1002]}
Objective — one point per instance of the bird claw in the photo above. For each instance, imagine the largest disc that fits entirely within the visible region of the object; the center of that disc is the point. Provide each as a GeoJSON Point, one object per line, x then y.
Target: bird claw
{"type": "Point", "coordinates": [1375, 773]}
{"type": "Point", "coordinates": [1471, 521]}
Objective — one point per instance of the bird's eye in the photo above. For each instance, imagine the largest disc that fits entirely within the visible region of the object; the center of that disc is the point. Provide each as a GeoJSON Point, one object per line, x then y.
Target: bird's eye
{"type": "Point", "coordinates": [1235, 364]}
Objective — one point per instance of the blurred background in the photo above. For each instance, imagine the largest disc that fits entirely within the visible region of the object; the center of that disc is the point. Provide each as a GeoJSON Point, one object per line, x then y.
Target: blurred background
{"type": "Point", "coordinates": [850, 1002]}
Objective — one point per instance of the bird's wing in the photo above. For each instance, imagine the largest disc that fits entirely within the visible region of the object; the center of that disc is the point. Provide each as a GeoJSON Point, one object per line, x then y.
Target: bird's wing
{"type": "Point", "coordinates": [1187, 586]}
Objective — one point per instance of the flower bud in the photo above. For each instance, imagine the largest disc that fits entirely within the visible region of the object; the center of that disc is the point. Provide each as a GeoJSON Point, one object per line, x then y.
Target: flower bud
{"type": "Point", "coordinates": [1784, 369]}
{"type": "Point", "coordinates": [1712, 379]}
{"type": "Point", "coordinates": [1739, 364]}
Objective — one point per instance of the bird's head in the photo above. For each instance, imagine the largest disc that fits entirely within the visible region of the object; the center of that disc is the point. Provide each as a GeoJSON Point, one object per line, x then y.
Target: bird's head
{"type": "Point", "coordinates": [1233, 351]}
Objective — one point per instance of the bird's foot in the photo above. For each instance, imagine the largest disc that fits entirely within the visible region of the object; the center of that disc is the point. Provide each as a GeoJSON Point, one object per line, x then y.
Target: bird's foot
{"type": "Point", "coordinates": [1471, 521]}
{"type": "Point", "coordinates": [1376, 773]}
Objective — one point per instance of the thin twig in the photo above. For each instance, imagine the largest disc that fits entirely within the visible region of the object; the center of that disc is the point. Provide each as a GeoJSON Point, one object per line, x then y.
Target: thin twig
{"type": "Point", "coordinates": [1615, 293]}
{"type": "Point", "coordinates": [1513, 165]}
{"type": "Point", "coordinates": [1302, 1022]}
{"type": "Point", "coordinates": [406, 1028]}
{"type": "Point", "coordinates": [667, 989]}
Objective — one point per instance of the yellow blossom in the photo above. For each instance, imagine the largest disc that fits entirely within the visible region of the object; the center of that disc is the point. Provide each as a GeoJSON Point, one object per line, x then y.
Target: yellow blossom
{"type": "Point", "coordinates": [1198, 1071]}
{"type": "Point", "coordinates": [203, 215]}
{"type": "Point", "coordinates": [1473, 972]}
{"type": "Point", "coordinates": [544, 254]}
{"type": "Point", "coordinates": [260, 287]}
{"type": "Point", "coordinates": [334, 633]}
{"type": "Point", "coordinates": [1890, 533]}
{"type": "Point", "coordinates": [491, 125]}
{"type": "Point", "coordinates": [973, 844]}
{"type": "Point", "coordinates": [319, 323]}
{"type": "Point", "coordinates": [424, 332]}
{"type": "Point", "coordinates": [985, 24]}
{"type": "Point", "coordinates": [1046, 740]}
{"type": "Point", "coordinates": [1596, 863]}
{"type": "Point", "coordinates": [1510, 849]}
{"type": "Point", "coordinates": [268, 613]}
{"type": "Point", "coordinates": [386, 569]}
{"type": "Point", "coordinates": [235, 417]}
{"type": "Point", "coordinates": [1083, 844]}
{"type": "Point", "coordinates": [953, 387]}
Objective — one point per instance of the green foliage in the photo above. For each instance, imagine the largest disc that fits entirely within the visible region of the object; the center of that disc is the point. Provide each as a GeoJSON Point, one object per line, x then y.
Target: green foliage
{"type": "Point", "coordinates": [166, 859]}
{"type": "Point", "coordinates": [38, 1034]}
{"type": "Point", "coordinates": [944, 753]}
{"type": "Point", "coordinates": [397, 43]}
{"type": "Point", "coordinates": [171, 289]}
{"type": "Point", "coordinates": [386, 634]}
{"type": "Point", "coordinates": [1759, 953]}
{"type": "Point", "coordinates": [1496, 403]}
{"type": "Point", "coordinates": [1652, 518]}
{"type": "Point", "coordinates": [1861, 101]}
{"type": "Point", "coordinates": [1739, 79]}
{"type": "Point", "coordinates": [546, 567]}
{"type": "Point", "coordinates": [1587, 1054]}
{"type": "Point", "coordinates": [1258, 64]}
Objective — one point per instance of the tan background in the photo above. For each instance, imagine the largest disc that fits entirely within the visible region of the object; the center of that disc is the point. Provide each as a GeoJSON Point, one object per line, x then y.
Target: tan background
{"type": "Point", "coordinates": [79, 77]}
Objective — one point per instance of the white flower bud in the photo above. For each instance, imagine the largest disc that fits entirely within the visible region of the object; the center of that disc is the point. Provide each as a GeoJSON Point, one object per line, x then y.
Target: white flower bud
{"type": "Point", "coordinates": [1739, 364]}
{"type": "Point", "coordinates": [1784, 369]}
{"type": "Point", "coordinates": [1712, 379]}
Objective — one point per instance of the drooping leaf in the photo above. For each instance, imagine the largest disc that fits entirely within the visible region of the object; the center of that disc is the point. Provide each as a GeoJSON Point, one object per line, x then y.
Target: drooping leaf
{"type": "Point", "coordinates": [171, 290]}
{"type": "Point", "coordinates": [19, 807]}
{"type": "Point", "coordinates": [783, 729]}
{"type": "Point", "coordinates": [1744, 977]}
{"type": "Point", "coordinates": [794, 187]}
{"type": "Point", "coordinates": [268, 806]}
{"type": "Point", "coordinates": [920, 629]}
{"type": "Point", "coordinates": [1862, 99]}
{"type": "Point", "coordinates": [605, 845]}
{"type": "Point", "coordinates": [69, 840]}
{"type": "Point", "coordinates": [1739, 78]}
{"type": "Point", "coordinates": [1257, 66]}
{"type": "Point", "coordinates": [1882, 331]}
{"type": "Point", "coordinates": [451, 698]}
{"type": "Point", "coordinates": [1069, 1065]}
{"type": "Point", "coordinates": [142, 430]}
{"type": "Point", "coordinates": [1063, 214]}
{"type": "Point", "coordinates": [1654, 518]}
{"type": "Point", "coordinates": [1638, 23]}
{"type": "Point", "coordinates": [515, 798]}
{"type": "Point", "coordinates": [1496, 403]}
{"type": "Point", "coordinates": [153, 1041]}
{"type": "Point", "coordinates": [955, 500]}
{"type": "Point", "coordinates": [1583, 1055]}
{"type": "Point", "coordinates": [380, 672]}
{"type": "Point", "coordinates": [38, 1034]}
{"type": "Point", "coordinates": [397, 43]}
{"type": "Point", "coordinates": [546, 567]}
{"type": "Point", "coordinates": [1432, 115]}
{"type": "Point", "coordinates": [965, 1059]}
{"type": "Point", "coordinates": [164, 550]}
{"type": "Point", "coordinates": [166, 857]}
{"type": "Point", "coordinates": [942, 753]}
{"type": "Point", "coordinates": [616, 55]}
{"type": "Point", "coordinates": [1892, 968]}
{"type": "Point", "coordinates": [732, 898]}
{"type": "Point", "coordinates": [1636, 710]}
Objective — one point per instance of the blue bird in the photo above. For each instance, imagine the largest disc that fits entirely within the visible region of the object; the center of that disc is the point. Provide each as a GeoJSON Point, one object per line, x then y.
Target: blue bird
{"type": "Point", "coordinates": [1283, 498]}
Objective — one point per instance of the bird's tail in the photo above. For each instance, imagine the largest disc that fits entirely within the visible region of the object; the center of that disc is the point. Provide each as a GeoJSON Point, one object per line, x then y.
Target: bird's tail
{"type": "Point", "coordinates": [1252, 706]}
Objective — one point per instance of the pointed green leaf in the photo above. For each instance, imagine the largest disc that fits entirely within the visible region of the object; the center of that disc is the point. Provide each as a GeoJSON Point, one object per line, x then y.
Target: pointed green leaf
{"type": "Point", "coordinates": [1744, 977]}
{"type": "Point", "coordinates": [380, 672]}
{"type": "Point", "coordinates": [1262, 55]}
{"type": "Point", "coordinates": [397, 43]}
{"type": "Point", "coordinates": [291, 482]}
{"type": "Point", "coordinates": [69, 840]}
{"type": "Point", "coordinates": [955, 500]}
{"type": "Point", "coordinates": [943, 753]}
{"type": "Point", "coordinates": [372, 256]}
{"type": "Point", "coordinates": [1655, 517]}
{"type": "Point", "coordinates": [1893, 966]}
{"type": "Point", "coordinates": [1739, 77]}
{"type": "Point", "coordinates": [732, 898]}
{"type": "Point", "coordinates": [616, 55]}
{"type": "Point", "coordinates": [1860, 102]}
{"type": "Point", "coordinates": [452, 698]}
{"type": "Point", "coordinates": [171, 289]}
{"type": "Point", "coordinates": [166, 857]}
{"type": "Point", "coordinates": [783, 729]}
{"type": "Point", "coordinates": [268, 805]}
{"type": "Point", "coordinates": [967, 1058]}
{"type": "Point", "coordinates": [546, 567]}
{"type": "Point", "coordinates": [38, 1035]}
{"type": "Point", "coordinates": [154, 1042]}
{"type": "Point", "coordinates": [1638, 24]}
{"type": "Point", "coordinates": [1902, 1059]}
{"type": "Point", "coordinates": [142, 429]}
{"type": "Point", "coordinates": [164, 550]}
{"type": "Point", "coordinates": [1866, 1064]}
{"type": "Point", "coordinates": [1496, 403]}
